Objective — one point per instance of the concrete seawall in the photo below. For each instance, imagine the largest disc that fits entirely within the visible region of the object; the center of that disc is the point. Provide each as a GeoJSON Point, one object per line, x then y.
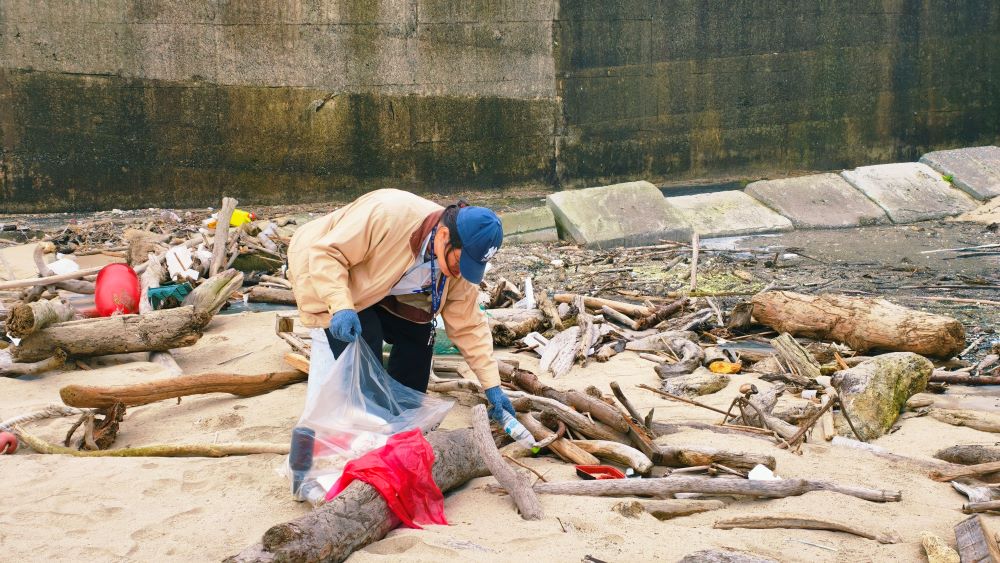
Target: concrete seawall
{"type": "Point", "coordinates": [174, 102]}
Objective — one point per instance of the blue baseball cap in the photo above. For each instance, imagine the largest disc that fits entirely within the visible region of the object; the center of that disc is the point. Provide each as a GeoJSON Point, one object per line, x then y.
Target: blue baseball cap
{"type": "Point", "coordinates": [482, 234]}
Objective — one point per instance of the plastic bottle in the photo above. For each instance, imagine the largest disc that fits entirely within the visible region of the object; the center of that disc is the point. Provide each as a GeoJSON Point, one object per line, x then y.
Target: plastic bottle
{"type": "Point", "coordinates": [300, 457]}
{"type": "Point", "coordinates": [313, 492]}
{"type": "Point", "coordinates": [518, 432]}
{"type": "Point", "coordinates": [238, 218]}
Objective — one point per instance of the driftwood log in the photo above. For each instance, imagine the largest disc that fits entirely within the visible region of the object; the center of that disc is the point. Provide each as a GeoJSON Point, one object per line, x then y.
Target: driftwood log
{"type": "Point", "coordinates": [667, 486]}
{"type": "Point", "coordinates": [963, 378]}
{"type": "Point", "coordinates": [694, 456]}
{"type": "Point", "coordinates": [578, 400]}
{"type": "Point", "coordinates": [985, 506]}
{"type": "Point", "coordinates": [983, 421]}
{"type": "Point", "coordinates": [666, 509]}
{"type": "Point", "coordinates": [156, 450]}
{"type": "Point", "coordinates": [27, 318]}
{"type": "Point", "coordinates": [860, 322]}
{"type": "Point", "coordinates": [151, 391]}
{"type": "Point", "coordinates": [524, 402]}
{"type": "Point", "coordinates": [151, 278]}
{"type": "Point", "coordinates": [975, 540]}
{"type": "Point", "coordinates": [634, 311]}
{"type": "Point", "coordinates": [261, 294]}
{"type": "Point", "coordinates": [724, 556]}
{"type": "Point", "coordinates": [618, 453]}
{"type": "Point", "coordinates": [157, 330]}
{"type": "Point", "coordinates": [510, 325]}
{"type": "Point", "coordinates": [803, 523]}
{"type": "Point", "coordinates": [966, 471]}
{"type": "Point", "coordinates": [519, 490]}
{"type": "Point", "coordinates": [359, 514]}
{"type": "Point", "coordinates": [221, 240]}
{"type": "Point", "coordinates": [969, 454]}
{"type": "Point", "coordinates": [798, 359]}
{"type": "Point", "coordinates": [76, 286]}
{"type": "Point", "coordinates": [562, 447]}
{"type": "Point", "coordinates": [15, 369]}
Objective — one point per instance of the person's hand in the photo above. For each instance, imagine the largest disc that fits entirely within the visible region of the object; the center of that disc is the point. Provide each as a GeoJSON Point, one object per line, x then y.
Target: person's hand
{"type": "Point", "coordinates": [345, 325]}
{"type": "Point", "coordinates": [498, 403]}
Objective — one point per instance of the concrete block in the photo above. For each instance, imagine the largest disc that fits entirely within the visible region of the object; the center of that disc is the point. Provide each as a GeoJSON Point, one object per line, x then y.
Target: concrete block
{"type": "Point", "coordinates": [909, 191]}
{"type": "Point", "coordinates": [531, 225]}
{"type": "Point", "coordinates": [976, 170]}
{"type": "Point", "coordinates": [819, 201]}
{"type": "Point", "coordinates": [727, 214]}
{"type": "Point", "coordinates": [629, 214]}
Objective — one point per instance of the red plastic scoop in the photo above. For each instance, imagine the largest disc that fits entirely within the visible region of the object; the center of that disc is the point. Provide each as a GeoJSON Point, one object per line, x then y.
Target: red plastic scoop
{"type": "Point", "coordinates": [599, 472]}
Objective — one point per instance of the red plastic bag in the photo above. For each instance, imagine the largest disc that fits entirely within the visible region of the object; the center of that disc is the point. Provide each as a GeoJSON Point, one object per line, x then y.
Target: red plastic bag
{"type": "Point", "coordinates": [401, 471]}
{"type": "Point", "coordinates": [116, 290]}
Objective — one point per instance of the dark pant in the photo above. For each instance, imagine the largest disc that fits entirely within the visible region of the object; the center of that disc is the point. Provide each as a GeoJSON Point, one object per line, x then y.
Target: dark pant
{"type": "Point", "coordinates": [410, 358]}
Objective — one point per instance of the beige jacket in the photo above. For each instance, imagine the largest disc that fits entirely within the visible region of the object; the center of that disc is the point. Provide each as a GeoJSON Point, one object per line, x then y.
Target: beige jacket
{"type": "Point", "coordinates": [351, 259]}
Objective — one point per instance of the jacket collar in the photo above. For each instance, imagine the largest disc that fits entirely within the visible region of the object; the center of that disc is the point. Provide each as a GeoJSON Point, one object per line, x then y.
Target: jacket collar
{"type": "Point", "coordinates": [422, 232]}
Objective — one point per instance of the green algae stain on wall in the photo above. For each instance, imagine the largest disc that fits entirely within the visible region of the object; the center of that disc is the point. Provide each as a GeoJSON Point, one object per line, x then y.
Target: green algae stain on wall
{"type": "Point", "coordinates": [765, 87]}
{"type": "Point", "coordinates": [79, 142]}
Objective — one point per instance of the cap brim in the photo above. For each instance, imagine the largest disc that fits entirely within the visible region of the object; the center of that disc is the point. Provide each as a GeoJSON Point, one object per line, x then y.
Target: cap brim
{"type": "Point", "coordinates": [471, 270]}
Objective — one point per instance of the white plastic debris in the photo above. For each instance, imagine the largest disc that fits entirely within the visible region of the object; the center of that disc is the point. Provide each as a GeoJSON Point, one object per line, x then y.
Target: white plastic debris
{"type": "Point", "coordinates": [179, 263]}
{"type": "Point", "coordinates": [63, 266]}
{"type": "Point", "coordinates": [529, 296]}
{"type": "Point", "coordinates": [761, 473]}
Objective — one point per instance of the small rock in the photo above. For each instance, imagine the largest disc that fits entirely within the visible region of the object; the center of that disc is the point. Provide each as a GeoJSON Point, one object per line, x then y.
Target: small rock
{"type": "Point", "coordinates": [919, 401]}
{"type": "Point", "coordinates": [701, 381]}
{"type": "Point", "coordinates": [937, 550]}
{"type": "Point", "coordinates": [874, 391]}
{"type": "Point", "coordinates": [629, 509]}
{"type": "Point", "coordinates": [794, 410]}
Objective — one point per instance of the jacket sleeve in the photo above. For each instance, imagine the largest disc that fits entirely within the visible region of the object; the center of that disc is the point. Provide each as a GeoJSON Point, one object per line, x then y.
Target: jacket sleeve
{"type": "Point", "coordinates": [347, 244]}
{"type": "Point", "coordinates": [468, 330]}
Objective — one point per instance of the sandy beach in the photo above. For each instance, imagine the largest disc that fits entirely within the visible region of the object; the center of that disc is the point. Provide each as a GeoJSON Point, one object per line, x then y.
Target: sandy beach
{"type": "Point", "coordinates": [58, 508]}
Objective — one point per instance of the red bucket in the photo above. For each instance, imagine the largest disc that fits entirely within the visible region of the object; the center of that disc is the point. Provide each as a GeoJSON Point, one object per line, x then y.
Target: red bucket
{"type": "Point", "coordinates": [116, 291]}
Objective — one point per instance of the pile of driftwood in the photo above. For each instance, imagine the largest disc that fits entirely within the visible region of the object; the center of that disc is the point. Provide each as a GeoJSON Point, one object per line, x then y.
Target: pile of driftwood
{"type": "Point", "coordinates": [587, 427]}
{"type": "Point", "coordinates": [46, 325]}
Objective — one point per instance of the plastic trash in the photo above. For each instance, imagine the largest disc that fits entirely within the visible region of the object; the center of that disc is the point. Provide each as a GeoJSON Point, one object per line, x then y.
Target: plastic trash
{"type": "Point", "coordinates": [168, 296]}
{"type": "Point", "coordinates": [529, 296]}
{"type": "Point", "coordinates": [402, 472]}
{"type": "Point", "coordinates": [352, 407]}
{"type": "Point", "coordinates": [761, 473]}
{"type": "Point", "coordinates": [518, 432]}
{"type": "Point", "coordinates": [179, 261]}
{"type": "Point", "coordinates": [238, 219]}
{"type": "Point", "coordinates": [116, 291]}
{"type": "Point", "coordinates": [63, 266]}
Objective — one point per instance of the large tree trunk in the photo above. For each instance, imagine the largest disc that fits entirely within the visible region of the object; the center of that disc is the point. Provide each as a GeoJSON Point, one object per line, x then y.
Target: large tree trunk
{"type": "Point", "coordinates": [860, 322]}
{"type": "Point", "coordinates": [359, 514]}
{"type": "Point", "coordinates": [151, 391]}
{"type": "Point", "coordinates": [155, 331]}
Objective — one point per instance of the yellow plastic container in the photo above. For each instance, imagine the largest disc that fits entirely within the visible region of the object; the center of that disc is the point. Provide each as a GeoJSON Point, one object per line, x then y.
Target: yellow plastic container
{"type": "Point", "coordinates": [239, 217]}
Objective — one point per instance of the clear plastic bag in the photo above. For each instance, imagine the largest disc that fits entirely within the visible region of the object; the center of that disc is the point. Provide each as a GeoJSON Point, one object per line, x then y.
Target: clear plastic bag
{"type": "Point", "coordinates": [352, 407]}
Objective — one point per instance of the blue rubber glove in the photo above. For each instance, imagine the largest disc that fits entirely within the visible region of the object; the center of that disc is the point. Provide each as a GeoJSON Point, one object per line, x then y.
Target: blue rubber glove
{"type": "Point", "coordinates": [345, 325]}
{"type": "Point", "coordinates": [498, 403]}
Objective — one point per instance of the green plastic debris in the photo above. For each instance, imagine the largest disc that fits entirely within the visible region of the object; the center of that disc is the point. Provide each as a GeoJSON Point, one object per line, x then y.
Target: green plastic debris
{"type": "Point", "coordinates": [169, 296]}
